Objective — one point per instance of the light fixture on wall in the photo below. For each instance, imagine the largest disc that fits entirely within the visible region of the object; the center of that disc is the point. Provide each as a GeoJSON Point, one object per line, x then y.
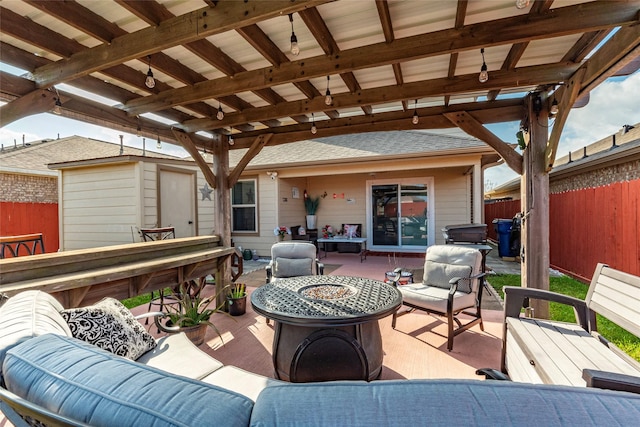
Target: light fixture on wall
{"type": "Point", "coordinates": [57, 107]}
{"type": "Point", "coordinates": [150, 82]}
{"type": "Point", "coordinates": [484, 74]}
{"type": "Point", "coordinates": [159, 143]}
{"type": "Point", "coordinates": [553, 110]}
{"type": "Point", "coordinates": [416, 119]}
{"type": "Point", "coordinates": [272, 174]}
{"type": "Point", "coordinates": [295, 49]}
{"type": "Point", "coordinates": [521, 4]}
{"type": "Point", "coordinates": [220, 114]}
{"type": "Point", "coordinates": [314, 129]}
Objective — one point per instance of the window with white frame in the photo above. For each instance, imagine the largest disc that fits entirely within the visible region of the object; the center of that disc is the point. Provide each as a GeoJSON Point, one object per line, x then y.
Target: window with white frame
{"type": "Point", "coordinates": [244, 206]}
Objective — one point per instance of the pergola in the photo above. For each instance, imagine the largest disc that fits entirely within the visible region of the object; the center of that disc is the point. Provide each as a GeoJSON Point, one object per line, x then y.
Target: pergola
{"type": "Point", "coordinates": [227, 71]}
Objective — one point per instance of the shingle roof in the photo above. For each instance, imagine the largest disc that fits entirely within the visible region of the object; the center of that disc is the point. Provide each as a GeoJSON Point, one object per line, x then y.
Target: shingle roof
{"type": "Point", "coordinates": [35, 156]}
{"type": "Point", "coordinates": [360, 146]}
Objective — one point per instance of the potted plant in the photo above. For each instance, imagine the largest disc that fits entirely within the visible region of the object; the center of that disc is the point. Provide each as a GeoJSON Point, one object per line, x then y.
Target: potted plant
{"type": "Point", "coordinates": [189, 313]}
{"type": "Point", "coordinates": [237, 299]}
{"type": "Point", "coordinates": [311, 207]}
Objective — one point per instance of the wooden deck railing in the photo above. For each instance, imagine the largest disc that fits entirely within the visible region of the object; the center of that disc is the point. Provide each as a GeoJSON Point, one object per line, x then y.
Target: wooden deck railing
{"type": "Point", "coordinates": [82, 277]}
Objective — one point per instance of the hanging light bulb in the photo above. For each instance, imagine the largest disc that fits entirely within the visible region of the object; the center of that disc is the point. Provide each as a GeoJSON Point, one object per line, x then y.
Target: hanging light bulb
{"type": "Point", "coordinates": [416, 119]}
{"type": "Point", "coordinates": [484, 74]}
{"type": "Point", "coordinates": [159, 143]}
{"type": "Point", "coordinates": [327, 96]}
{"type": "Point", "coordinates": [295, 49]}
{"type": "Point", "coordinates": [56, 108]}
{"type": "Point", "coordinates": [231, 141]}
{"type": "Point", "coordinates": [521, 4]}
{"type": "Point", "coordinates": [554, 107]}
{"type": "Point", "coordinates": [150, 82]}
{"type": "Point", "coordinates": [314, 129]}
{"type": "Point", "coordinates": [220, 114]}
{"type": "Point", "coordinates": [138, 131]}
{"type": "Point", "coordinates": [58, 104]}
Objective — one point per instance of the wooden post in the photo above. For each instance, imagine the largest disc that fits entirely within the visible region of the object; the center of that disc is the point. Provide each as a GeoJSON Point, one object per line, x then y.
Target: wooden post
{"type": "Point", "coordinates": [222, 194]}
{"type": "Point", "coordinates": [535, 204]}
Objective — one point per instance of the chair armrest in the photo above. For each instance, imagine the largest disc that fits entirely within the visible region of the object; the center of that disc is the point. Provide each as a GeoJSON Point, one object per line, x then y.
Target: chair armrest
{"type": "Point", "coordinates": [320, 268]}
{"type": "Point", "coordinates": [516, 298]}
{"type": "Point", "coordinates": [455, 280]}
{"type": "Point", "coordinates": [493, 374]}
{"type": "Point", "coordinates": [149, 314]}
{"type": "Point", "coordinates": [611, 380]}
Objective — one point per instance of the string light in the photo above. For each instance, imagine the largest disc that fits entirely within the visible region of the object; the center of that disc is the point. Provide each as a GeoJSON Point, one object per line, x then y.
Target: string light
{"type": "Point", "coordinates": [484, 74]}
{"type": "Point", "coordinates": [150, 82]}
{"type": "Point", "coordinates": [521, 4]}
{"type": "Point", "coordinates": [57, 107]}
{"type": "Point", "coordinates": [159, 143]}
{"type": "Point", "coordinates": [415, 118]}
{"type": "Point", "coordinates": [554, 107]}
{"type": "Point", "coordinates": [314, 129]}
{"type": "Point", "coordinates": [231, 141]}
{"type": "Point", "coordinates": [295, 49]}
{"type": "Point", "coordinates": [327, 98]}
{"type": "Point", "coordinates": [220, 114]}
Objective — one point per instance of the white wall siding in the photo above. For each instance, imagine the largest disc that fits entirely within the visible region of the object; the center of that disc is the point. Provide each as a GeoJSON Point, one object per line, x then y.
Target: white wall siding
{"type": "Point", "coordinates": [206, 208]}
{"type": "Point", "coordinates": [99, 206]}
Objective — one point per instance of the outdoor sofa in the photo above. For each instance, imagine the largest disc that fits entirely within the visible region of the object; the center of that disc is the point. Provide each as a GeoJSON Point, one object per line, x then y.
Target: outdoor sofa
{"type": "Point", "coordinates": [61, 380]}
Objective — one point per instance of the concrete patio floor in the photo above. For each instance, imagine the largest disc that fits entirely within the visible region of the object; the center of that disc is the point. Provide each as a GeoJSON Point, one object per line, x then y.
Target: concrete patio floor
{"type": "Point", "coordinates": [415, 349]}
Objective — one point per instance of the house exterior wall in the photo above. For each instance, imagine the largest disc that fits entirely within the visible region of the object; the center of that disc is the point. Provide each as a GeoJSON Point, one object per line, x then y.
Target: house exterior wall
{"type": "Point", "coordinates": [25, 188]}
{"type": "Point", "coordinates": [451, 198]}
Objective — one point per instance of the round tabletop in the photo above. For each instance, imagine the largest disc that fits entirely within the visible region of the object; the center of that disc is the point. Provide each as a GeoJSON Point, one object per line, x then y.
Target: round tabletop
{"type": "Point", "coordinates": [326, 300]}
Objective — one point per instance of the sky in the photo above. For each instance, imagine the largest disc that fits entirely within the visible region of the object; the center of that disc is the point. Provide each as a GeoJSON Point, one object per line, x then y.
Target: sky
{"type": "Point", "coordinates": [613, 104]}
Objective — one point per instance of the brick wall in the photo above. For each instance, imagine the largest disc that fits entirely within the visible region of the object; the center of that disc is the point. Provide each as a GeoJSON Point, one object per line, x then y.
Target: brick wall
{"type": "Point", "coordinates": [624, 172]}
{"type": "Point", "coordinates": [28, 188]}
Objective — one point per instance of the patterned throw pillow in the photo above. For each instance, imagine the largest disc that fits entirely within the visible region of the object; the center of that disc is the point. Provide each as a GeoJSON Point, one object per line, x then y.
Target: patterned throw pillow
{"type": "Point", "coordinates": [110, 325]}
{"type": "Point", "coordinates": [439, 274]}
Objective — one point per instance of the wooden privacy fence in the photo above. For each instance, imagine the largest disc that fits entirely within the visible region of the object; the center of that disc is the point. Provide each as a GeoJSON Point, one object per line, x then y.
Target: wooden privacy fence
{"type": "Point", "coordinates": [28, 218]}
{"type": "Point", "coordinates": [588, 226]}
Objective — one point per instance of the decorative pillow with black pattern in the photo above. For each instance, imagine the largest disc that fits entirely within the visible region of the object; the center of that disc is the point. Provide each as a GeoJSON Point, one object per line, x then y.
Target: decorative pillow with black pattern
{"type": "Point", "coordinates": [110, 325]}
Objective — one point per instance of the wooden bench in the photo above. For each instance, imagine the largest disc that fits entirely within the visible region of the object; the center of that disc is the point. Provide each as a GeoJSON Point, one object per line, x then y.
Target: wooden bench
{"type": "Point", "coordinates": [82, 277]}
{"type": "Point", "coordinates": [552, 352]}
{"type": "Point", "coordinates": [12, 244]}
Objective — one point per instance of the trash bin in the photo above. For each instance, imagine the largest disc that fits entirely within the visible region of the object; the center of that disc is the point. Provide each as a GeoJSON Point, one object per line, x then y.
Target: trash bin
{"type": "Point", "coordinates": [503, 229]}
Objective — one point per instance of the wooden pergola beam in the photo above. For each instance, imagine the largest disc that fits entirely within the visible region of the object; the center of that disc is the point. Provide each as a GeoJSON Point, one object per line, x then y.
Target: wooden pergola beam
{"type": "Point", "coordinates": [467, 123]}
{"type": "Point", "coordinates": [38, 101]}
{"type": "Point", "coordinates": [258, 144]}
{"type": "Point", "coordinates": [224, 16]}
{"type": "Point", "coordinates": [558, 22]}
{"type": "Point", "coordinates": [569, 96]}
{"type": "Point", "coordinates": [191, 148]}
{"type": "Point", "coordinates": [525, 77]}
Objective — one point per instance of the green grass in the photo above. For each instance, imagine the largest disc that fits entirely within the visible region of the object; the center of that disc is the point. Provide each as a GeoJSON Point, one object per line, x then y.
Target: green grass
{"type": "Point", "coordinates": [136, 301]}
{"type": "Point", "coordinates": [626, 341]}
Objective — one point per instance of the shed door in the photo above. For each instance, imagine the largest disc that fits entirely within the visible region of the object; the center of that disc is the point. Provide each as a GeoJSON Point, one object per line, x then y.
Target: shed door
{"type": "Point", "coordinates": [178, 202]}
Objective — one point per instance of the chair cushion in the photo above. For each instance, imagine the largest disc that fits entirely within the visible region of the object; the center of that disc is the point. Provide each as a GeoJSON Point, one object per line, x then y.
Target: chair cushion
{"type": "Point", "coordinates": [241, 381]}
{"type": "Point", "coordinates": [439, 274]}
{"type": "Point", "coordinates": [441, 403]}
{"type": "Point", "coordinates": [27, 315]}
{"type": "Point", "coordinates": [291, 267]}
{"type": "Point", "coordinates": [82, 382]}
{"type": "Point", "coordinates": [173, 350]}
{"type": "Point", "coordinates": [433, 298]}
{"type": "Point", "coordinates": [110, 325]}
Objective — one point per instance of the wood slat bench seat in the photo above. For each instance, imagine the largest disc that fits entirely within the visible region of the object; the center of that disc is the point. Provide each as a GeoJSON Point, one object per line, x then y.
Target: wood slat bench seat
{"type": "Point", "coordinates": [81, 277]}
{"type": "Point", "coordinates": [551, 352]}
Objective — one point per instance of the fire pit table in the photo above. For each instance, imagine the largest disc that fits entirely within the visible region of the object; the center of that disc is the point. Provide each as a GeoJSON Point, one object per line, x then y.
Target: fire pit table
{"type": "Point", "coordinates": [326, 327]}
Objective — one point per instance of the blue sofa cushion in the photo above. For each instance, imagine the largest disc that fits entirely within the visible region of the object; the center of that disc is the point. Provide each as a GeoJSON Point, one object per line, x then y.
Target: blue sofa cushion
{"type": "Point", "coordinates": [80, 381]}
{"type": "Point", "coordinates": [441, 402]}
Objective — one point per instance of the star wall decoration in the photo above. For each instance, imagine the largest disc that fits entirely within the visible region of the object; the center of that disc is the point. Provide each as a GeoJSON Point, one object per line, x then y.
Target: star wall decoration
{"type": "Point", "coordinates": [206, 192]}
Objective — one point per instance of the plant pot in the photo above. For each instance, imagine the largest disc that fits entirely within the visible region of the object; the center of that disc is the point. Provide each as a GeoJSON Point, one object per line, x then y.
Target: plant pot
{"type": "Point", "coordinates": [195, 333]}
{"type": "Point", "coordinates": [311, 222]}
{"type": "Point", "coordinates": [237, 306]}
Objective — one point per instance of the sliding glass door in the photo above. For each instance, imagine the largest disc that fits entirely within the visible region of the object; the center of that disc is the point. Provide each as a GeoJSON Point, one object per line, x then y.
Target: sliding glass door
{"type": "Point", "coordinates": [400, 214]}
